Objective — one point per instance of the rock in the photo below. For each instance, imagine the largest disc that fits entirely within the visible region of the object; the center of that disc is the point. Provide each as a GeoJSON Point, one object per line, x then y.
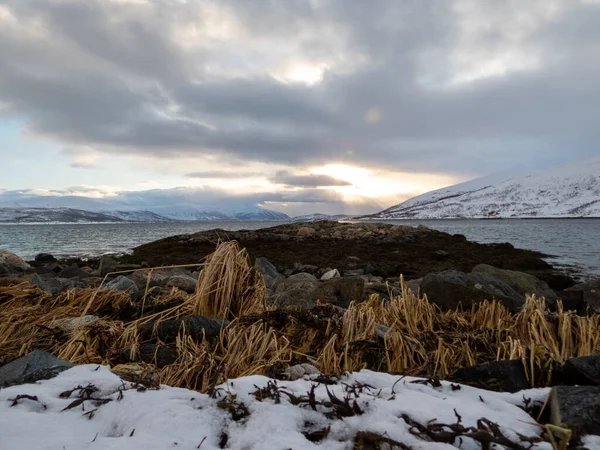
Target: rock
{"type": "Point", "coordinates": [584, 370]}
{"type": "Point", "coordinates": [576, 408]}
{"type": "Point", "coordinates": [68, 324]}
{"type": "Point", "coordinates": [73, 271]}
{"type": "Point", "coordinates": [370, 269]}
{"type": "Point", "coordinates": [306, 232]}
{"type": "Point", "coordinates": [161, 355]}
{"type": "Point", "coordinates": [441, 254]}
{"type": "Point", "coordinates": [559, 281]}
{"type": "Point", "coordinates": [293, 298]}
{"type": "Point", "coordinates": [31, 368]}
{"type": "Point", "coordinates": [503, 376]}
{"type": "Point", "coordinates": [304, 268]}
{"type": "Point", "coordinates": [10, 280]}
{"type": "Point", "coordinates": [354, 272]}
{"type": "Point", "coordinates": [300, 370]}
{"type": "Point", "coordinates": [450, 288]}
{"type": "Point", "coordinates": [573, 301]}
{"type": "Point", "coordinates": [591, 293]}
{"type": "Point", "coordinates": [414, 285]}
{"type": "Point", "coordinates": [121, 283]}
{"type": "Point", "coordinates": [268, 271]}
{"type": "Point", "coordinates": [302, 277]}
{"type": "Point", "coordinates": [157, 279]}
{"type": "Point", "coordinates": [11, 264]}
{"type": "Point", "coordinates": [184, 282]}
{"type": "Point", "coordinates": [333, 273]}
{"type": "Point", "coordinates": [195, 326]}
{"type": "Point", "coordinates": [53, 284]}
{"type": "Point", "coordinates": [44, 258]}
{"type": "Point", "coordinates": [126, 267]}
{"type": "Point", "coordinates": [340, 291]}
{"type": "Point", "coordinates": [521, 282]}
{"type": "Point", "coordinates": [107, 265]}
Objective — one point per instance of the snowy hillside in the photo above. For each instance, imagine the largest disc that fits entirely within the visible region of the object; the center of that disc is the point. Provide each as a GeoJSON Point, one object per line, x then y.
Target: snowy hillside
{"type": "Point", "coordinates": [53, 215]}
{"type": "Point", "coordinates": [571, 190]}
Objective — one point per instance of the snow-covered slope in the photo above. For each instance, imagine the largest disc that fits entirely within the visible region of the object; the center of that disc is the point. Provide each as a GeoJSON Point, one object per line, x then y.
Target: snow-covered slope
{"type": "Point", "coordinates": [571, 190]}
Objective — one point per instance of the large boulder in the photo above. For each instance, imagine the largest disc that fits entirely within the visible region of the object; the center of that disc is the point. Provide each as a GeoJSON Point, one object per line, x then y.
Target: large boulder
{"type": "Point", "coordinates": [503, 376]}
{"type": "Point", "coordinates": [521, 282]}
{"type": "Point", "coordinates": [591, 293]}
{"type": "Point", "coordinates": [450, 288]}
{"type": "Point", "coordinates": [107, 265]}
{"type": "Point", "coordinates": [268, 271]}
{"type": "Point", "coordinates": [303, 281]}
{"type": "Point", "coordinates": [52, 284]}
{"type": "Point", "coordinates": [44, 258]}
{"type": "Point", "coordinates": [186, 283]}
{"type": "Point", "coordinates": [122, 283]}
{"type": "Point", "coordinates": [12, 264]}
{"type": "Point", "coordinates": [576, 408]}
{"type": "Point", "coordinates": [151, 279]}
{"type": "Point", "coordinates": [292, 298]}
{"type": "Point", "coordinates": [340, 291]}
{"type": "Point", "coordinates": [584, 370]}
{"type": "Point", "coordinates": [35, 366]}
{"type": "Point", "coordinates": [195, 326]}
{"type": "Point", "coordinates": [73, 271]}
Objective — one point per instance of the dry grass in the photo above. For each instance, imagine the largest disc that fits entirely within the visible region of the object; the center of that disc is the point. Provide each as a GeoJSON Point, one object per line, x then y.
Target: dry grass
{"type": "Point", "coordinates": [420, 339]}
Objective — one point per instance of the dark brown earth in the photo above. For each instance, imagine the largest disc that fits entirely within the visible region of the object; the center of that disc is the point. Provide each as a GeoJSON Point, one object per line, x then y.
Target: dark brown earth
{"type": "Point", "coordinates": [389, 249]}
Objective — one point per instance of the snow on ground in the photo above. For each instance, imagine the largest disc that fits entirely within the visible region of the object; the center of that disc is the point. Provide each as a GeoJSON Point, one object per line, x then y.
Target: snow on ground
{"type": "Point", "coordinates": [174, 418]}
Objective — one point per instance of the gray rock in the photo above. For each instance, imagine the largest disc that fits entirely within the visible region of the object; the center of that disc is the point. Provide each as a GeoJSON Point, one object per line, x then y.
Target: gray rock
{"type": "Point", "coordinates": [577, 408]}
{"type": "Point", "coordinates": [121, 283]}
{"type": "Point", "coordinates": [44, 257]}
{"type": "Point", "coordinates": [107, 265]}
{"type": "Point", "coordinates": [52, 284]}
{"type": "Point", "coordinates": [591, 293]}
{"type": "Point", "coordinates": [184, 282]}
{"type": "Point", "coordinates": [293, 298]}
{"type": "Point", "coordinates": [195, 326]}
{"type": "Point", "coordinates": [31, 368]}
{"type": "Point", "coordinates": [584, 370]}
{"type": "Point", "coordinates": [450, 288]}
{"type": "Point", "coordinates": [157, 279]}
{"type": "Point", "coordinates": [126, 267]}
{"type": "Point", "coordinates": [521, 282]}
{"type": "Point", "coordinates": [507, 376]}
{"type": "Point", "coordinates": [268, 271]}
{"type": "Point", "coordinates": [354, 272]}
{"type": "Point", "coordinates": [300, 370]}
{"type": "Point", "coordinates": [333, 273]}
{"type": "Point", "coordinates": [340, 291]}
{"type": "Point", "coordinates": [73, 271]}
{"type": "Point", "coordinates": [302, 277]}
{"type": "Point", "coordinates": [12, 264]}
{"type": "Point", "coordinates": [414, 285]}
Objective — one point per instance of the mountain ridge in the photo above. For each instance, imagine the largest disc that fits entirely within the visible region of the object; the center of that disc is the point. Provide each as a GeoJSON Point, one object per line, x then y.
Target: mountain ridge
{"type": "Point", "coordinates": [569, 190]}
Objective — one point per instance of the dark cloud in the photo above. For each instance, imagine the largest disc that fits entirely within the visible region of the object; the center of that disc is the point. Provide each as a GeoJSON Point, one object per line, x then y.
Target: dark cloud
{"type": "Point", "coordinates": [287, 178]}
{"type": "Point", "coordinates": [173, 80]}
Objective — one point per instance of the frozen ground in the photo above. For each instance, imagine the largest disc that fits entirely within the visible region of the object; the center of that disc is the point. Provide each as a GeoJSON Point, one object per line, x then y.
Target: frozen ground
{"type": "Point", "coordinates": [240, 416]}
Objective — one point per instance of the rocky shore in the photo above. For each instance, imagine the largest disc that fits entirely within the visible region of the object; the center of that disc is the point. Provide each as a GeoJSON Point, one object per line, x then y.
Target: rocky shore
{"type": "Point", "coordinates": [311, 301]}
{"type": "Point", "coordinates": [329, 261]}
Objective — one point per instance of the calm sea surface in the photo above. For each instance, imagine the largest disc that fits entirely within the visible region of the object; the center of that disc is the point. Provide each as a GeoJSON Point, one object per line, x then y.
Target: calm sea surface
{"type": "Point", "coordinates": [574, 243]}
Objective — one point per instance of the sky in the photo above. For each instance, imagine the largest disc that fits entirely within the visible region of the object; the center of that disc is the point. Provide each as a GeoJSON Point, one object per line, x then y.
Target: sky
{"type": "Point", "coordinates": [299, 106]}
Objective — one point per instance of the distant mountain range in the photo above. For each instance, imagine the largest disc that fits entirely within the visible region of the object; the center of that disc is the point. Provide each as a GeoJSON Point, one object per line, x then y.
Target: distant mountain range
{"type": "Point", "coordinates": [571, 190]}
{"type": "Point", "coordinates": [73, 215]}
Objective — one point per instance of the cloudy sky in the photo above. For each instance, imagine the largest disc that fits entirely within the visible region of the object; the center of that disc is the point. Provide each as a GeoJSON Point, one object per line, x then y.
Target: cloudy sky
{"type": "Point", "coordinates": [298, 105]}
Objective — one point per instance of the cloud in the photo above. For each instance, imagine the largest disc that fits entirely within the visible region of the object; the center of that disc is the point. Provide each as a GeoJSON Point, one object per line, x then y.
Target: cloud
{"type": "Point", "coordinates": [289, 179]}
{"type": "Point", "coordinates": [460, 87]}
{"type": "Point", "coordinates": [82, 158]}
{"type": "Point", "coordinates": [222, 174]}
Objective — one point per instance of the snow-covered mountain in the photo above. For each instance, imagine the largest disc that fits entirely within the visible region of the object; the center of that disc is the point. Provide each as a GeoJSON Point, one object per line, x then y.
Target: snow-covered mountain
{"type": "Point", "coordinates": [73, 215]}
{"type": "Point", "coordinates": [571, 190]}
{"type": "Point", "coordinates": [53, 215]}
{"type": "Point", "coordinates": [318, 216]}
